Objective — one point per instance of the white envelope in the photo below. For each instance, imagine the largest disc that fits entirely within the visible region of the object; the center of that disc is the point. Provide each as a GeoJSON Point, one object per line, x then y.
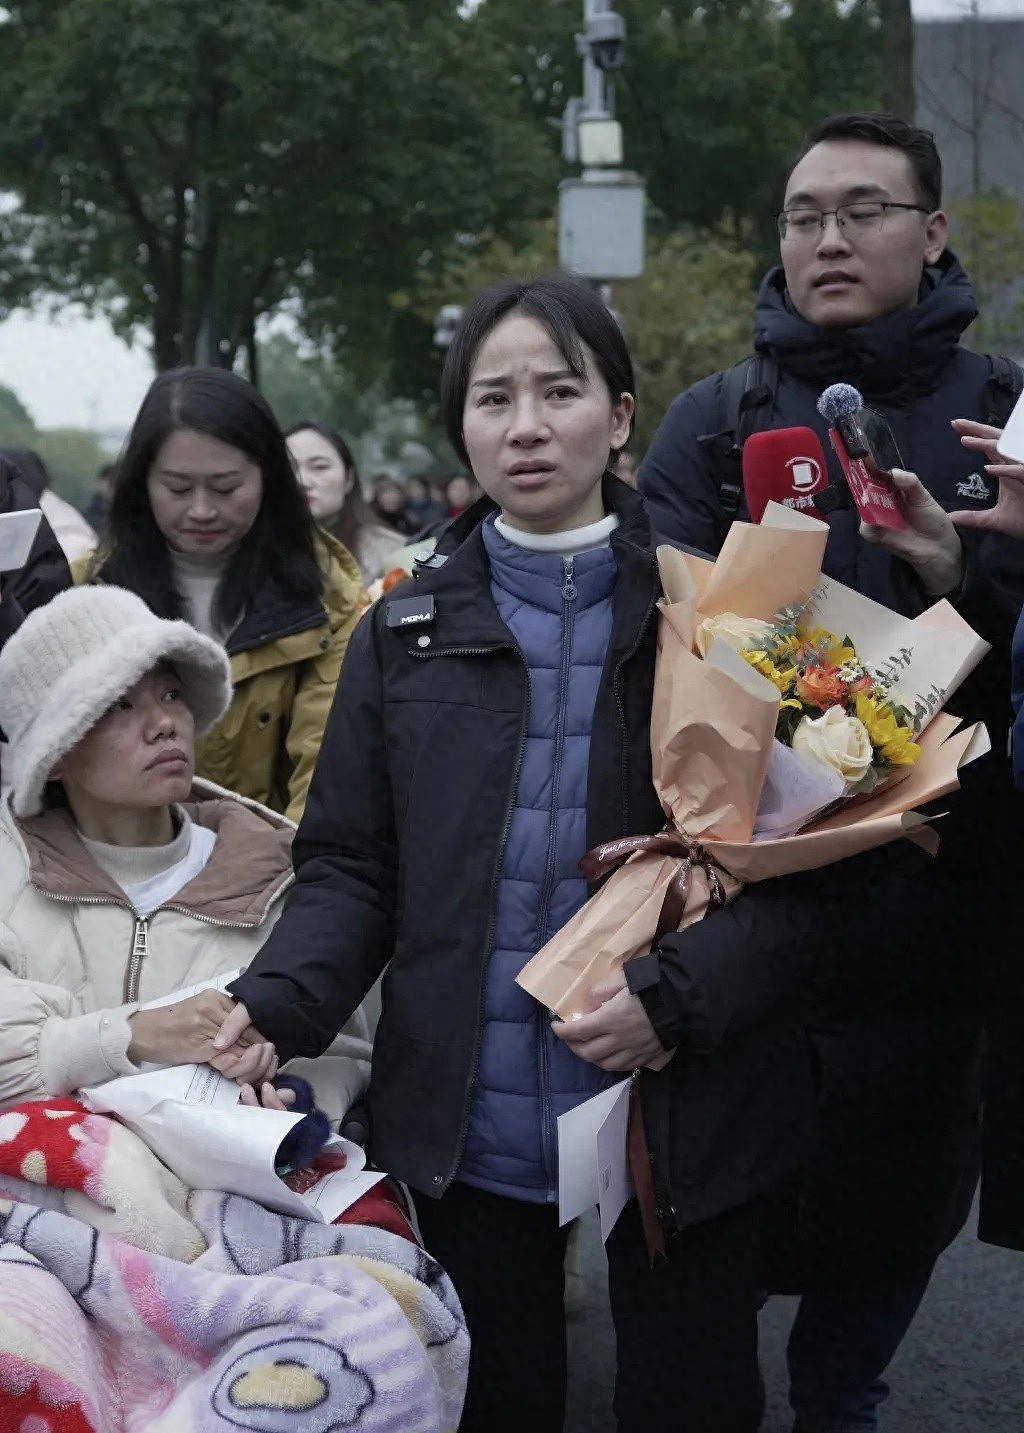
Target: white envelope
{"type": "Point", "coordinates": [593, 1157]}
{"type": "Point", "coordinates": [17, 534]}
{"type": "Point", "coordinates": [190, 1117]}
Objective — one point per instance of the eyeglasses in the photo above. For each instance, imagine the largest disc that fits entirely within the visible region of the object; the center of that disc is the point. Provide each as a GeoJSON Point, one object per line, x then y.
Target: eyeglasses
{"type": "Point", "coordinates": [864, 217]}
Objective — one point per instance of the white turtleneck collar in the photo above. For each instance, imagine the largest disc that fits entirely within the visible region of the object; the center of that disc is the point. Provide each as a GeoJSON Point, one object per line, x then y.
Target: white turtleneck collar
{"type": "Point", "coordinates": [566, 544]}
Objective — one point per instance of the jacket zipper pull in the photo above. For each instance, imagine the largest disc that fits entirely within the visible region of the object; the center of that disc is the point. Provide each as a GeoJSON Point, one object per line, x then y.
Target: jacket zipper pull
{"type": "Point", "coordinates": [569, 582]}
{"type": "Point", "coordinates": [140, 949]}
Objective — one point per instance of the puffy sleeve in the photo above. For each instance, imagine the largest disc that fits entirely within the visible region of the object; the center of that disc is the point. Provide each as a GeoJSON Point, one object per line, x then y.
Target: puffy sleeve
{"type": "Point", "coordinates": [46, 1048]}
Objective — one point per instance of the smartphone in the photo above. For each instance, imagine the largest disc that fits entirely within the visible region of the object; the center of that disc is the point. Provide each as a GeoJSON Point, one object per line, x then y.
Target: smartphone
{"type": "Point", "coordinates": [1011, 444]}
{"type": "Point", "coordinates": [17, 534]}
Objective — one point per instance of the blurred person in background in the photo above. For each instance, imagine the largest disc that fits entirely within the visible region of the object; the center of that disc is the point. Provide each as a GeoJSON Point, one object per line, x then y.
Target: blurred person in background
{"type": "Point", "coordinates": [330, 479]}
{"type": "Point", "coordinates": [422, 506]}
{"type": "Point", "coordinates": [389, 503]}
{"type": "Point", "coordinates": [97, 513]}
{"type": "Point", "coordinates": [208, 521]}
{"type": "Point", "coordinates": [46, 571]}
{"type": "Point", "coordinates": [459, 494]}
{"type": "Point", "coordinates": [70, 528]}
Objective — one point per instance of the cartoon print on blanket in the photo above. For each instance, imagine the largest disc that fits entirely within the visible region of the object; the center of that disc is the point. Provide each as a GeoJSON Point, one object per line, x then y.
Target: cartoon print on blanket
{"type": "Point", "coordinates": [279, 1325]}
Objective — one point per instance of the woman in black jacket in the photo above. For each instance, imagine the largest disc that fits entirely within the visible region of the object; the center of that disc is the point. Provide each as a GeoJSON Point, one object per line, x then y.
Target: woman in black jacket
{"type": "Point", "coordinates": [412, 833]}
{"type": "Point", "coordinates": [44, 574]}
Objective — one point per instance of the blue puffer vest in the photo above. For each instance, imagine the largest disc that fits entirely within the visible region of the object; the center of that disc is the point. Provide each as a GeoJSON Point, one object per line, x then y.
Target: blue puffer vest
{"type": "Point", "coordinates": [560, 613]}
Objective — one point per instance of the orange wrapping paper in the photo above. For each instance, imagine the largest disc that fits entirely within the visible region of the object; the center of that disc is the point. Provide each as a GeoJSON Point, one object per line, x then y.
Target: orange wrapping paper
{"type": "Point", "coordinates": [711, 738]}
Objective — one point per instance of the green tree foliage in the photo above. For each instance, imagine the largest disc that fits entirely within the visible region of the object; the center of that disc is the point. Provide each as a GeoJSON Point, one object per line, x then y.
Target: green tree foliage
{"type": "Point", "coordinates": [15, 418]}
{"type": "Point", "coordinates": [188, 166]}
{"type": "Point", "coordinates": [714, 95]}
{"type": "Point", "coordinates": [301, 382]}
{"type": "Point", "coordinates": [987, 232]}
{"type": "Point", "coordinates": [72, 456]}
{"type": "Point", "coordinates": [689, 314]}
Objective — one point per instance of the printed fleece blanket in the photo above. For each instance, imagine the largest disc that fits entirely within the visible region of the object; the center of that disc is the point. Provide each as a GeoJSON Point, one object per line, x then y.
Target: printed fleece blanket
{"type": "Point", "coordinates": [129, 1304]}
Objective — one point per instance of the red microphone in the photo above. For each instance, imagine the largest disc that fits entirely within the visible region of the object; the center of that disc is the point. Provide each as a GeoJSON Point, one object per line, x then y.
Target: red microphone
{"type": "Point", "coordinates": [784, 465]}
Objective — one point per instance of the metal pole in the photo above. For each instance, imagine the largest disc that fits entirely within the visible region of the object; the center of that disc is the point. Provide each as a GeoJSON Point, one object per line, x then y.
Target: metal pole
{"type": "Point", "coordinates": [598, 95]}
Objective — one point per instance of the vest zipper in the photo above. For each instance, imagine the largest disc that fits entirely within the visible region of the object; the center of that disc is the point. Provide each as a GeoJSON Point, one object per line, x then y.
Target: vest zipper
{"type": "Point", "coordinates": [543, 1017]}
{"type": "Point", "coordinates": [442, 1182]}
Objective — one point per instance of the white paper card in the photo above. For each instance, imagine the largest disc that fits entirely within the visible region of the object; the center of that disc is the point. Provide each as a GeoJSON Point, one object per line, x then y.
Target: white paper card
{"type": "Point", "coordinates": [17, 534]}
{"type": "Point", "coordinates": [578, 1187]}
{"type": "Point", "coordinates": [189, 1116]}
{"type": "Point", "coordinates": [593, 1157]}
{"type": "Point", "coordinates": [928, 659]}
{"type": "Point", "coordinates": [1011, 440]}
{"type": "Point", "coordinates": [221, 983]}
{"type": "Point", "coordinates": [615, 1182]}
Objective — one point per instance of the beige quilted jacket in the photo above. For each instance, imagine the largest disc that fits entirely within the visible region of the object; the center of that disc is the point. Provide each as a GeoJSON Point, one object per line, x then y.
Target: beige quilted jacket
{"type": "Point", "coordinates": [76, 960]}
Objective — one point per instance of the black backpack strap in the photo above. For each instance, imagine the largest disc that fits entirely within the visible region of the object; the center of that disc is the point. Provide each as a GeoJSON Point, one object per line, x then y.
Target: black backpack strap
{"type": "Point", "coordinates": [1003, 387]}
{"type": "Point", "coordinates": [747, 387]}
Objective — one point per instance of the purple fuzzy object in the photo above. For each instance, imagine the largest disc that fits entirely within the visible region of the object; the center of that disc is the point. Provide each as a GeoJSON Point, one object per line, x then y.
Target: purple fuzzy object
{"type": "Point", "coordinates": [839, 401]}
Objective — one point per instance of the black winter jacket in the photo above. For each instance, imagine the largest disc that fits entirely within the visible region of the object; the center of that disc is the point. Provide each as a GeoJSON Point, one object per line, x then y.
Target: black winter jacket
{"type": "Point", "coordinates": [45, 573]}
{"type": "Point", "coordinates": [396, 858]}
{"type": "Point", "coordinates": [898, 1032]}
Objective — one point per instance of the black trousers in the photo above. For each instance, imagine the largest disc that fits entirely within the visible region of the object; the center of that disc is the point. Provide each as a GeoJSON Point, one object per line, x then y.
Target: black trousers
{"type": "Point", "coordinates": [687, 1327]}
{"type": "Point", "coordinates": [506, 1259]}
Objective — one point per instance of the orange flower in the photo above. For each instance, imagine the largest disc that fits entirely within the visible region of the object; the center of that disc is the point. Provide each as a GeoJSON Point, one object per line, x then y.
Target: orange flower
{"type": "Point", "coordinates": [865, 685]}
{"type": "Point", "coordinates": [394, 577]}
{"type": "Point", "coordinates": [821, 687]}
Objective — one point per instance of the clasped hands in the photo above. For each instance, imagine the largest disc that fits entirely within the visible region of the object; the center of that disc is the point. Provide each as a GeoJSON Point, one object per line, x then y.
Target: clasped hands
{"type": "Point", "coordinates": [190, 1031]}
{"type": "Point", "coordinates": [614, 1031]}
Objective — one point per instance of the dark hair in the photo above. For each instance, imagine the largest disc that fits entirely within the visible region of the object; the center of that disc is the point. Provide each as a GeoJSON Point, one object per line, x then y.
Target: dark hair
{"type": "Point", "coordinates": [890, 132]}
{"type": "Point", "coordinates": [571, 312]}
{"type": "Point", "coordinates": [355, 512]}
{"type": "Point", "coordinates": [280, 545]}
{"type": "Point", "coordinates": [30, 466]}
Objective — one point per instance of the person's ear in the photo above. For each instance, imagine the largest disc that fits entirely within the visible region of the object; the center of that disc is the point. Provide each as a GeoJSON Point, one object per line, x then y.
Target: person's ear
{"type": "Point", "coordinates": [622, 416]}
{"type": "Point", "coordinates": [936, 236]}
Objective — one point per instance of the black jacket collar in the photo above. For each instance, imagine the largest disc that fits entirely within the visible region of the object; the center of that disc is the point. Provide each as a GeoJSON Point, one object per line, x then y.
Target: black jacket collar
{"type": "Point", "coordinates": [462, 620]}
{"type": "Point", "coordinates": [900, 356]}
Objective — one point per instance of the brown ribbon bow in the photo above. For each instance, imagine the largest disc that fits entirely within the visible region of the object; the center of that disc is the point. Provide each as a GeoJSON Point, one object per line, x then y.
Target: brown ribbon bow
{"type": "Point", "coordinates": [602, 860]}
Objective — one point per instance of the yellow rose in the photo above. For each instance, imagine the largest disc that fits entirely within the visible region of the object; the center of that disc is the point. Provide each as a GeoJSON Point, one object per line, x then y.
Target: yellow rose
{"type": "Point", "coordinates": [838, 740]}
{"type": "Point", "coordinates": [738, 632]}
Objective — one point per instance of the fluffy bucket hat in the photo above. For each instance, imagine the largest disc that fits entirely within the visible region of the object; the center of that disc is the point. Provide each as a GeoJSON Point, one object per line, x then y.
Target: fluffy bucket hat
{"type": "Point", "coordinates": [71, 660]}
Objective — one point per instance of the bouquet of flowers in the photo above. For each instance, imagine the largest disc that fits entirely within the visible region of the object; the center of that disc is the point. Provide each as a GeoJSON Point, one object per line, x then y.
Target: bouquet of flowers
{"type": "Point", "coordinates": [776, 746]}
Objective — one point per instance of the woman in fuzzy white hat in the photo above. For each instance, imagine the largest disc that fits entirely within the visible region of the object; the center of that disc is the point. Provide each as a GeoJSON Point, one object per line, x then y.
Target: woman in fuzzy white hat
{"type": "Point", "coordinates": [122, 879]}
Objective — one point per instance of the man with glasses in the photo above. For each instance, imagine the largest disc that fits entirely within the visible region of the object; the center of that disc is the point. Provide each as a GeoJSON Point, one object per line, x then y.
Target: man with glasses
{"type": "Point", "coordinates": [868, 293]}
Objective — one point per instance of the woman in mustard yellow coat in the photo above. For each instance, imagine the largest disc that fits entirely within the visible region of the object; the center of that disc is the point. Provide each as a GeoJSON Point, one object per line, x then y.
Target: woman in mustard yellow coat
{"type": "Point", "coordinates": [208, 522]}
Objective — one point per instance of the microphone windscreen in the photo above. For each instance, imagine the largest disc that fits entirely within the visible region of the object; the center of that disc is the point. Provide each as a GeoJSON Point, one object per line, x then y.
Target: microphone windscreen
{"type": "Point", "coordinates": [783, 465]}
{"type": "Point", "coordinates": [839, 401]}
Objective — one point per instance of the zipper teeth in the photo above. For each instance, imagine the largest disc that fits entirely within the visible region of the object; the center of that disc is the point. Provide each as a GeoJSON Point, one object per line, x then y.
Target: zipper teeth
{"type": "Point", "coordinates": [565, 668]}
{"type": "Point", "coordinates": [489, 942]}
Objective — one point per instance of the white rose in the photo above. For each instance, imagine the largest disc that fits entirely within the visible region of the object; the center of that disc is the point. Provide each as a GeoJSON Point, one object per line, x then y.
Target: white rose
{"type": "Point", "coordinates": [741, 633]}
{"type": "Point", "coordinates": [840, 741]}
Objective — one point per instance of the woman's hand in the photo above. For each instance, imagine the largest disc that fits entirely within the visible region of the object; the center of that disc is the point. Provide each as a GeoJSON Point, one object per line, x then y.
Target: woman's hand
{"type": "Point", "coordinates": [617, 1035]}
{"type": "Point", "coordinates": [929, 542]}
{"type": "Point", "coordinates": [186, 1032]}
{"type": "Point", "coordinates": [268, 1097]}
{"type": "Point", "coordinates": [1008, 514]}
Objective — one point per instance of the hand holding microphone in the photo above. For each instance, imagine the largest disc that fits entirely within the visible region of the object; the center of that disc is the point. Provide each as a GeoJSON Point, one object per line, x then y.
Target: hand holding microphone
{"type": "Point", "coordinates": [928, 541]}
